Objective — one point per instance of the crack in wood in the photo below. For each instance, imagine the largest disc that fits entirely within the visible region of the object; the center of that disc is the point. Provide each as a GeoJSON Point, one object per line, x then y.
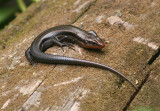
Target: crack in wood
{"type": "Point", "coordinates": [151, 60]}
{"type": "Point", "coordinates": [23, 107]}
{"type": "Point", "coordinates": [91, 4]}
{"type": "Point", "coordinates": [136, 92]}
{"type": "Point", "coordinates": [154, 57]}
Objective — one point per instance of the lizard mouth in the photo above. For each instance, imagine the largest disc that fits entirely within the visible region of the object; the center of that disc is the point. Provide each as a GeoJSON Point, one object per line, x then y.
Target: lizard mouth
{"type": "Point", "coordinates": [99, 46]}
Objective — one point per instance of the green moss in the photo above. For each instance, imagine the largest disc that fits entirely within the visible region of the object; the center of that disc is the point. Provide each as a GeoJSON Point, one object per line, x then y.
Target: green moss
{"type": "Point", "coordinates": [143, 109]}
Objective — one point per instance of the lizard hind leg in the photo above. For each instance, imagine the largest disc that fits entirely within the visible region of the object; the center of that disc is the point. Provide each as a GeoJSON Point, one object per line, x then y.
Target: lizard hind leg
{"type": "Point", "coordinates": [59, 43]}
{"type": "Point", "coordinates": [29, 57]}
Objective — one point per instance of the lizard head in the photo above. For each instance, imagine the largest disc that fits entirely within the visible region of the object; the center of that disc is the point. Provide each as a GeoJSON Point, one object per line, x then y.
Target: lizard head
{"type": "Point", "coordinates": [92, 41]}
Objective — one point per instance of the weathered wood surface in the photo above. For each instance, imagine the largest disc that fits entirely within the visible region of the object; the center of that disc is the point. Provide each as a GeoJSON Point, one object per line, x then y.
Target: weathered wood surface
{"type": "Point", "coordinates": [149, 95]}
{"type": "Point", "coordinates": [131, 32]}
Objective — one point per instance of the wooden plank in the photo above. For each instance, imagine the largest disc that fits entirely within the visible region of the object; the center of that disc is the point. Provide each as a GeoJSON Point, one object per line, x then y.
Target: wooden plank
{"type": "Point", "coordinates": [19, 79]}
{"type": "Point", "coordinates": [149, 96]}
{"type": "Point", "coordinates": [128, 50]}
{"type": "Point", "coordinates": [129, 46]}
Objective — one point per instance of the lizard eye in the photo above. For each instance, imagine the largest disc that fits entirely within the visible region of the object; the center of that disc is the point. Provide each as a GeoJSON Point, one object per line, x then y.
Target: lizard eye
{"type": "Point", "coordinates": [94, 43]}
{"type": "Point", "coordinates": [91, 43]}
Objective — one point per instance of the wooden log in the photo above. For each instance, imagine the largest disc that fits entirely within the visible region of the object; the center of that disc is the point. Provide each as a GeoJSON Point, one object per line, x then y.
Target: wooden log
{"type": "Point", "coordinates": [131, 33]}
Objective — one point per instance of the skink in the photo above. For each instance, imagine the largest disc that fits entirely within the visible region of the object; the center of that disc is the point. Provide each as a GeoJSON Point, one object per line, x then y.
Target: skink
{"type": "Point", "coordinates": [60, 34]}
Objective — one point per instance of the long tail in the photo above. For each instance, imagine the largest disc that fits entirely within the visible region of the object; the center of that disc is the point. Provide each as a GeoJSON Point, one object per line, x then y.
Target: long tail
{"type": "Point", "coordinates": [52, 59]}
{"type": "Point", "coordinates": [97, 65]}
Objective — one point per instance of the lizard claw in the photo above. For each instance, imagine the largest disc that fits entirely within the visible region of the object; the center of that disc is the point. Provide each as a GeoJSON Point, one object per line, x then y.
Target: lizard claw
{"type": "Point", "coordinates": [69, 45]}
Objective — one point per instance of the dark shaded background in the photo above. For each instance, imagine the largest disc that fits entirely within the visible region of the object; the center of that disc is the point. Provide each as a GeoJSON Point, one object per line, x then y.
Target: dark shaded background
{"type": "Point", "coordinates": [8, 11]}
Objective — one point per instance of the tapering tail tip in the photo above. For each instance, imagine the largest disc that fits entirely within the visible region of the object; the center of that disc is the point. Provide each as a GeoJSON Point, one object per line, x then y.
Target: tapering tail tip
{"type": "Point", "coordinates": [133, 85]}
{"type": "Point", "coordinates": [135, 88]}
